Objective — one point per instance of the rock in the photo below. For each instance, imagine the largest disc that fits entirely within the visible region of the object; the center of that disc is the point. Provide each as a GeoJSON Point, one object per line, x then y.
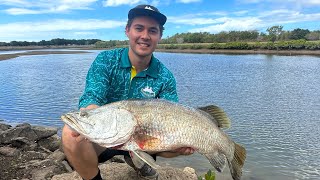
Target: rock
{"type": "Point", "coordinates": [44, 132]}
{"type": "Point", "coordinates": [124, 172]}
{"type": "Point", "coordinates": [191, 173]}
{"type": "Point", "coordinates": [22, 130]}
{"type": "Point", "coordinates": [24, 153]}
{"type": "Point", "coordinates": [67, 166]}
{"type": "Point", "coordinates": [51, 143]}
{"type": "Point", "coordinates": [24, 125]}
{"type": "Point", "coordinates": [34, 155]}
{"type": "Point", "coordinates": [4, 127]}
{"type": "Point", "coordinates": [44, 173]}
{"type": "Point", "coordinates": [8, 151]}
{"type": "Point", "coordinates": [34, 164]}
{"type": "Point", "coordinates": [67, 176]}
{"type": "Point", "coordinates": [32, 133]}
{"type": "Point", "coordinates": [34, 152]}
{"type": "Point", "coordinates": [57, 156]}
{"type": "Point", "coordinates": [20, 142]}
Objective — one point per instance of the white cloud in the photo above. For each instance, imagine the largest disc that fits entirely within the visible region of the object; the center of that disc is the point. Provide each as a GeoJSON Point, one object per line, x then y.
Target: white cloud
{"type": "Point", "coordinates": [232, 25]}
{"type": "Point", "coordinates": [242, 20]}
{"type": "Point", "coordinates": [20, 7]}
{"type": "Point", "coordinates": [299, 3]}
{"type": "Point", "coordinates": [85, 33]}
{"type": "Point", "coordinates": [285, 16]}
{"type": "Point", "coordinates": [188, 1]}
{"type": "Point", "coordinates": [16, 3]}
{"type": "Point", "coordinates": [60, 25]}
{"type": "Point", "coordinates": [122, 2]}
{"type": "Point", "coordinates": [23, 30]}
{"type": "Point", "coordinates": [195, 20]}
{"type": "Point", "coordinates": [20, 11]}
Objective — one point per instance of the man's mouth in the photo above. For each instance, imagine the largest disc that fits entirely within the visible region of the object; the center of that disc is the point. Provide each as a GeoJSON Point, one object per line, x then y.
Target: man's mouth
{"type": "Point", "coordinates": [144, 44]}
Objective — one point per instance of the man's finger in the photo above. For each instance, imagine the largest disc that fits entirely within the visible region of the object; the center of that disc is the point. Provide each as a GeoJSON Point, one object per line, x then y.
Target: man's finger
{"type": "Point", "coordinates": [80, 138]}
{"type": "Point", "coordinates": [74, 134]}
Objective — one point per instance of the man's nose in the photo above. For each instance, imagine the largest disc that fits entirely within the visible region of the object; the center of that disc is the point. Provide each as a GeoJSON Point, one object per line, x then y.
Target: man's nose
{"type": "Point", "coordinates": [145, 34]}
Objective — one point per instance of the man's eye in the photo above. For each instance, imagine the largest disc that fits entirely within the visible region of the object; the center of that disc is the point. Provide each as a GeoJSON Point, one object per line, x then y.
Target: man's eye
{"type": "Point", "coordinates": [153, 31]}
{"type": "Point", "coordinates": [138, 29]}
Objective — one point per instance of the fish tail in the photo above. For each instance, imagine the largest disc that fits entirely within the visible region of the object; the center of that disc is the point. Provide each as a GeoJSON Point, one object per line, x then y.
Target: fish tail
{"type": "Point", "coordinates": [237, 162]}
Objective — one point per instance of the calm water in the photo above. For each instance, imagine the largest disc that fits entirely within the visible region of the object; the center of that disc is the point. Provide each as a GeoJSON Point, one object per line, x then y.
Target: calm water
{"type": "Point", "coordinates": [273, 102]}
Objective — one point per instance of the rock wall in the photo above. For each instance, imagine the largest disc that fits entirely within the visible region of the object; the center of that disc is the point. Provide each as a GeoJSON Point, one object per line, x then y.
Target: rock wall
{"type": "Point", "coordinates": [34, 152]}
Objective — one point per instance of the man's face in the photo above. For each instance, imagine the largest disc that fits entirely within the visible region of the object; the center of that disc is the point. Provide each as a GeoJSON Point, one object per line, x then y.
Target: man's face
{"type": "Point", "coordinates": [144, 35]}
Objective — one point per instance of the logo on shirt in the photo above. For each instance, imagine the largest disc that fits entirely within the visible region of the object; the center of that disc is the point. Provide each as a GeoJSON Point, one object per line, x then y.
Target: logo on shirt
{"type": "Point", "coordinates": [148, 92]}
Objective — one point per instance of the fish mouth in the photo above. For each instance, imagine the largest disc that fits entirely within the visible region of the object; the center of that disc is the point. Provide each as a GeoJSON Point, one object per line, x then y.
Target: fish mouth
{"type": "Point", "coordinates": [72, 122]}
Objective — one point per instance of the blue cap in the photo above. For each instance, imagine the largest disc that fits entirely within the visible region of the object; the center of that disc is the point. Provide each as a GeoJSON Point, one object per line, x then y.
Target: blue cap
{"type": "Point", "coordinates": [147, 10]}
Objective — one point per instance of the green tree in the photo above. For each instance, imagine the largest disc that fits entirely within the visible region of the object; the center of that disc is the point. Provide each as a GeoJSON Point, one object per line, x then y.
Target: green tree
{"type": "Point", "coordinates": [313, 36]}
{"type": "Point", "coordinates": [299, 34]}
{"type": "Point", "coordinates": [274, 32]}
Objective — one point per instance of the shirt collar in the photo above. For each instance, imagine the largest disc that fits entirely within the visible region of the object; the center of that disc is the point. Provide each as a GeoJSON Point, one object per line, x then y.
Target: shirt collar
{"type": "Point", "coordinates": [124, 61]}
{"type": "Point", "coordinates": [152, 70]}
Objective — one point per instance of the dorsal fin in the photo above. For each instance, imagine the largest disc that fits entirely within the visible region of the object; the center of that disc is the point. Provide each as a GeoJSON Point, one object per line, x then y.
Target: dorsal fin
{"type": "Point", "coordinates": [219, 117]}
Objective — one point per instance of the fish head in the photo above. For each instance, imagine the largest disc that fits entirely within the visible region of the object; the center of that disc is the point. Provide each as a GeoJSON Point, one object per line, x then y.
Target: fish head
{"type": "Point", "coordinates": [108, 127]}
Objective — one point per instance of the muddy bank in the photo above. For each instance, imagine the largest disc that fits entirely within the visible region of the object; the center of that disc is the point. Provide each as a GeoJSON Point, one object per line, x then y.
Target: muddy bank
{"type": "Point", "coordinates": [10, 56]}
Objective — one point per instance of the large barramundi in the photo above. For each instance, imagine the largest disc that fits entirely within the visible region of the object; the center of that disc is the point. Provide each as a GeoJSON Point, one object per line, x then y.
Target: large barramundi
{"type": "Point", "coordinates": [141, 126]}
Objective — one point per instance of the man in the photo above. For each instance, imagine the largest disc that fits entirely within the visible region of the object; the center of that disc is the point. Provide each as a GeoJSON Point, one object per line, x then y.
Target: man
{"type": "Point", "coordinates": [119, 74]}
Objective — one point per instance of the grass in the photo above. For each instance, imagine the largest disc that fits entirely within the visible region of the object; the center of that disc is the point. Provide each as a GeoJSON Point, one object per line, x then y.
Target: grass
{"type": "Point", "coordinates": [210, 175]}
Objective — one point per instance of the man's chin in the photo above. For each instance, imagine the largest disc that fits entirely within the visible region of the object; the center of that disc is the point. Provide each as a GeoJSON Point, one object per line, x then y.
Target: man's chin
{"type": "Point", "coordinates": [144, 52]}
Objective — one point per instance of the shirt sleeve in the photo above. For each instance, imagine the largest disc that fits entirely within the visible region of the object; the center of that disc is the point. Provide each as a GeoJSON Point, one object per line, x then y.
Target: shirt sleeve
{"type": "Point", "coordinates": [97, 83]}
{"type": "Point", "coordinates": [169, 91]}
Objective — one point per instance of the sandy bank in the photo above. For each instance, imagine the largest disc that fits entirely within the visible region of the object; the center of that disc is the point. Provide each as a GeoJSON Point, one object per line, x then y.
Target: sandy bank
{"type": "Point", "coordinates": [10, 56]}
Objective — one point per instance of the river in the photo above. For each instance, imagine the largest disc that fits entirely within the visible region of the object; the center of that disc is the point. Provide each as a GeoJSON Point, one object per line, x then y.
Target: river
{"type": "Point", "coordinates": [273, 103]}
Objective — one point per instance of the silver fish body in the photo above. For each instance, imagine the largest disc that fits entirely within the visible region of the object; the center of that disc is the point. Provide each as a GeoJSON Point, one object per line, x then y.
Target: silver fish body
{"type": "Point", "coordinates": [159, 125]}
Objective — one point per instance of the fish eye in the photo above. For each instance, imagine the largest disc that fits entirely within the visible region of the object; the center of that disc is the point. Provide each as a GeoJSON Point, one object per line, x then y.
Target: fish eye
{"type": "Point", "coordinates": [83, 113]}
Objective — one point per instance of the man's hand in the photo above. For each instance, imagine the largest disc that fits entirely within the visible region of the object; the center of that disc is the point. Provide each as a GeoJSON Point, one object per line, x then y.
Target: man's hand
{"type": "Point", "coordinates": [185, 151]}
{"type": "Point", "coordinates": [177, 152]}
{"type": "Point", "coordinates": [78, 137]}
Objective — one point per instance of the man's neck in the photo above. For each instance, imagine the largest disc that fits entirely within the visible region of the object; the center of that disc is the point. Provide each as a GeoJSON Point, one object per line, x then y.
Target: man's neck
{"type": "Point", "coordinates": [140, 63]}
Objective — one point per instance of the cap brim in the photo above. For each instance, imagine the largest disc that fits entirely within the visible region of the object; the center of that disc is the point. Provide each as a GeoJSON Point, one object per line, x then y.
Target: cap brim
{"type": "Point", "coordinates": [144, 12]}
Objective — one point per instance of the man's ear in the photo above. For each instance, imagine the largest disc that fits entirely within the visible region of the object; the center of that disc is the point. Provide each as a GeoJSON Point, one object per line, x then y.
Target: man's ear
{"type": "Point", "coordinates": [127, 30]}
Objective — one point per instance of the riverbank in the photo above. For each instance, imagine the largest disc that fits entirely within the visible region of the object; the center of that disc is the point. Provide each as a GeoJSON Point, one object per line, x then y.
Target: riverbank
{"type": "Point", "coordinates": [14, 55]}
{"type": "Point", "coordinates": [228, 51]}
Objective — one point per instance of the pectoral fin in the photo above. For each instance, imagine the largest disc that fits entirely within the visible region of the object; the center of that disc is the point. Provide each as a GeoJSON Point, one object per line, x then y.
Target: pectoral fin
{"type": "Point", "coordinates": [138, 157]}
{"type": "Point", "coordinates": [217, 160]}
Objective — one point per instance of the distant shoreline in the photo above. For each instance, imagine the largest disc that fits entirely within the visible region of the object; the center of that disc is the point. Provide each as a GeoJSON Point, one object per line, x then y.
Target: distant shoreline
{"type": "Point", "coordinates": [243, 52]}
{"type": "Point", "coordinates": [35, 51]}
{"type": "Point", "coordinates": [14, 55]}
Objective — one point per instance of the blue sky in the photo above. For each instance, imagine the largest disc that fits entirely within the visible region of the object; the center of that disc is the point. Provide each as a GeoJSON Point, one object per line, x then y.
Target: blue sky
{"type": "Point", "coordinates": [31, 20]}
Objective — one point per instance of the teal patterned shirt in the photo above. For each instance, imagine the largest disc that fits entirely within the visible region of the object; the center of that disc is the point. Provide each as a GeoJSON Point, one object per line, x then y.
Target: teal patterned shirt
{"type": "Point", "coordinates": [109, 80]}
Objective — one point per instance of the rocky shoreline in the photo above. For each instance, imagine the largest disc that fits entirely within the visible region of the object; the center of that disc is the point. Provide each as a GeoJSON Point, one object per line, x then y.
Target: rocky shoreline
{"type": "Point", "coordinates": [34, 152]}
